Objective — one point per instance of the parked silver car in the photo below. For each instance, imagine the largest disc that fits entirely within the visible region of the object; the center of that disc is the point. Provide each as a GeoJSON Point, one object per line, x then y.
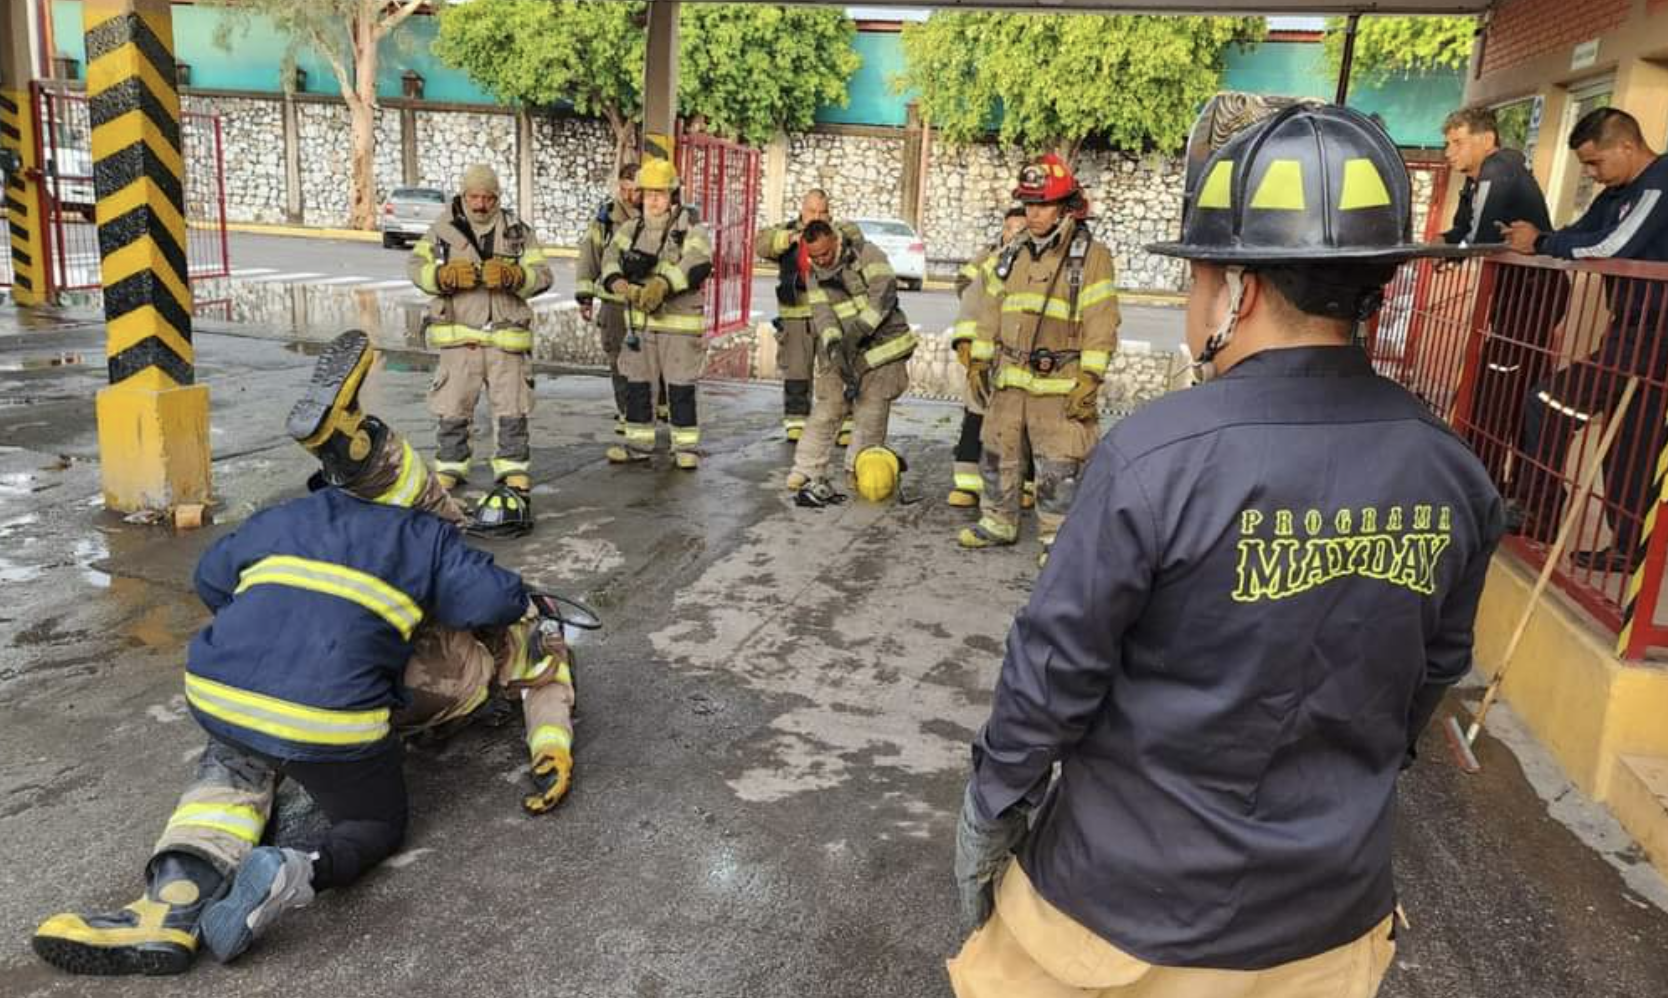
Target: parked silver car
{"type": "Point", "coordinates": [408, 213]}
{"type": "Point", "coordinates": [901, 245]}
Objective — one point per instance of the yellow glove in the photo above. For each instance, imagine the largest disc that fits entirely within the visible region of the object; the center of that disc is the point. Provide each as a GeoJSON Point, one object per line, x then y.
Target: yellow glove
{"type": "Point", "coordinates": [654, 293]}
{"type": "Point", "coordinates": [502, 275]}
{"type": "Point", "coordinates": [552, 775]}
{"type": "Point", "coordinates": [978, 381]}
{"type": "Point", "coordinates": [459, 275]}
{"type": "Point", "coordinates": [964, 352]}
{"type": "Point", "coordinates": [1083, 401]}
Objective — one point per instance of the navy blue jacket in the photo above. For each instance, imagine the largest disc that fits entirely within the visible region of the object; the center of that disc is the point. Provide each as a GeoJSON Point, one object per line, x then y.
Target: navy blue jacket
{"type": "Point", "coordinates": [314, 603]}
{"type": "Point", "coordinates": [1262, 589]}
{"type": "Point", "coordinates": [1624, 223]}
{"type": "Point", "coordinates": [1503, 192]}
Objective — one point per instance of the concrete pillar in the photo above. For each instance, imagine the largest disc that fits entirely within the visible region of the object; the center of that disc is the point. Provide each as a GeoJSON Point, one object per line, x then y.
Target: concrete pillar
{"type": "Point", "coordinates": [409, 174]}
{"type": "Point", "coordinates": [153, 419]}
{"type": "Point", "coordinates": [772, 204]}
{"type": "Point", "coordinates": [524, 165]}
{"type": "Point", "coordinates": [660, 81]}
{"type": "Point", "coordinates": [294, 206]}
{"type": "Point", "coordinates": [24, 202]}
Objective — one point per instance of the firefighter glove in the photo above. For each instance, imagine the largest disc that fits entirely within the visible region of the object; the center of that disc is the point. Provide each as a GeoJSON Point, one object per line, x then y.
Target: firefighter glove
{"type": "Point", "coordinates": [982, 853]}
{"type": "Point", "coordinates": [978, 382]}
{"type": "Point", "coordinates": [1083, 401]}
{"type": "Point", "coordinates": [964, 352]}
{"type": "Point", "coordinates": [459, 275]}
{"type": "Point", "coordinates": [502, 275]}
{"type": "Point", "coordinates": [653, 293]}
{"type": "Point", "coordinates": [552, 775]}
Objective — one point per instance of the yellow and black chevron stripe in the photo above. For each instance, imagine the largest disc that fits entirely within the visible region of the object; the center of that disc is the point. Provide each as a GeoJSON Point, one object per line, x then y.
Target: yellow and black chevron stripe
{"type": "Point", "coordinates": [139, 176]}
{"type": "Point", "coordinates": [1636, 582]}
{"type": "Point", "coordinates": [23, 214]}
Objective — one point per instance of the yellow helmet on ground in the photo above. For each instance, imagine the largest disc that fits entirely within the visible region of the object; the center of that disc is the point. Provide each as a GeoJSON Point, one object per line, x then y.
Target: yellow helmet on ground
{"type": "Point", "coordinates": [657, 175]}
{"type": "Point", "coordinates": [877, 471]}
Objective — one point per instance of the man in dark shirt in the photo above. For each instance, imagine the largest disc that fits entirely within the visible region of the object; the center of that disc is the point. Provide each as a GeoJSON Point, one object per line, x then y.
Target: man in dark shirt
{"type": "Point", "coordinates": [1262, 591]}
{"type": "Point", "coordinates": [1627, 221]}
{"type": "Point", "coordinates": [1500, 190]}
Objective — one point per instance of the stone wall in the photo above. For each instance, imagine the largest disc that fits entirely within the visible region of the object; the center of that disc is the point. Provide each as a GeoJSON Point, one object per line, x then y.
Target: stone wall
{"type": "Point", "coordinates": [254, 129]}
{"type": "Point", "coordinates": [573, 167]}
{"type": "Point", "coordinates": [326, 156]}
{"type": "Point", "coordinates": [449, 141]}
{"type": "Point", "coordinates": [861, 174]}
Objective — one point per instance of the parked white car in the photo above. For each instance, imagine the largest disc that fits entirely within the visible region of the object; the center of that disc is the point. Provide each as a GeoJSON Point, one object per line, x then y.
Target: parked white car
{"type": "Point", "coordinates": [901, 245]}
{"type": "Point", "coordinates": [408, 213]}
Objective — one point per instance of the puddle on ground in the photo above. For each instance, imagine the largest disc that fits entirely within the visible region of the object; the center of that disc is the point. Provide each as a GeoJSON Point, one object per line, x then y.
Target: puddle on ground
{"type": "Point", "coordinates": [11, 571]}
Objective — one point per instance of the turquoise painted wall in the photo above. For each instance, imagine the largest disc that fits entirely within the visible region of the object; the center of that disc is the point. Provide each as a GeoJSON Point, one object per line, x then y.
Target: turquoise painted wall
{"type": "Point", "coordinates": [254, 57]}
{"type": "Point", "coordinates": [1412, 108]}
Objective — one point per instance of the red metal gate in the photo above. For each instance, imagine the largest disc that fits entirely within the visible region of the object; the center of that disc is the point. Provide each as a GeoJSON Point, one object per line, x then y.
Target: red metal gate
{"type": "Point", "coordinates": [64, 149]}
{"type": "Point", "coordinates": [721, 182]}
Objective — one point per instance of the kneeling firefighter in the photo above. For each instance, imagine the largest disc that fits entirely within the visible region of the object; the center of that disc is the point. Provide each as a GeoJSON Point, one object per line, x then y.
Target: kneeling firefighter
{"type": "Point", "coordinates": [481, 264]}
{"type": "Point", "coordinates": [658, 265]}
{"type": "Point", "coordinates": [1044, 341]}
{"type": "Point", "coordinates": [865, 342]}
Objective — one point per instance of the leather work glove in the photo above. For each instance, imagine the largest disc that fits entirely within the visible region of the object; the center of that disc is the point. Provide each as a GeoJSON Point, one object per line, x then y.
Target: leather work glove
{"type": "Point", "coordinates": [982, 853]}
{"type": "Point", "coordinates": [978, 381]}
{"type": "Point", "coordinates": [552, 775]}
{"type": "Point", "coordinates": [1083, 401]}
{"type": "Point", "coordinates": [653, 293]}
{"type": "Point", "coordinates": [459, 275]}
{"type": "Point", "coordinates": [502, 275]}
{"type": "Point", "coordinates": [964, 352]}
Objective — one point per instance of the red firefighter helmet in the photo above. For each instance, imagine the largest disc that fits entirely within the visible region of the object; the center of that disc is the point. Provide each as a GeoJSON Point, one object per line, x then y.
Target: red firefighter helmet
{"type": "Point", "coordinates": [1046, 180]}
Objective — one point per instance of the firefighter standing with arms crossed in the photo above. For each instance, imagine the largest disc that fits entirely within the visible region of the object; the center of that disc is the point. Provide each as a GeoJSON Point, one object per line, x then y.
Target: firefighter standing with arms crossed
{"type": "Point", "coordinates": [658, 265]}
{"type": "Point", "coordinates": [481, 264]}
{"type": "Point", "coordinates": [1043, 345]}
{"type": "Point", "coordinates": [1227, 701]}
{"type": "Point", "coordinates": [609, 311]}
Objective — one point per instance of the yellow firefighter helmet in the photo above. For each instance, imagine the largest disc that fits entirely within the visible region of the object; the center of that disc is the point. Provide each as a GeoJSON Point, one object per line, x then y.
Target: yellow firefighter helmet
{"type": "Point", "coordinates": [877, 471]}
{"type": "Point", "coordinates": [657, 175]}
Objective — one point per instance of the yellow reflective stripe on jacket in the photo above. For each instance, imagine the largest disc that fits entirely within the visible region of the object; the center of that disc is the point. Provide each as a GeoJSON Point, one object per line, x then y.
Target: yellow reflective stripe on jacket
{"type": "Point", "coordinates": [968, 270]}
{"type": "Point", "coordinates": [876, 270]}
{"type": "Point", "coordinates": [831, 335]}
{"type": "Point", "coordinates": [675, 277]}
{"type": "Point", "coordinates": [781, 239]}
{"type": "Point", "coordinates": [794, 311]}
{"type": "Point", "coordinates": [237, 820]}
{"type": "Point", "coordinates": [529, 278]}
{"type": "Point", "coordinates": [1009, 376]}
{"type": "Point", "coordinates": [399, 610]}
{"type": "Point", "coordinates": [293, 722]}
{"type": "Point", "coordinates": [409, 485]}
{"type": "Point", "coordinates": [891, 350]}
{"type": "Point", "coordinates": [456, 335]}
{"type": "Point", "coordinates": [845, 308]}
{"type": "Point", "coordinates": [426, 276]}
{"type": "Point", "coordinates": [983, 349]}
{"type": "Point", "coordinates": [547, 736]}
{"type": "Point", "coordinates": [869, 317]}
{"type": "Point", "coordinates": [965, 329]}
{"type": "Point", "coordinates": [1094, 361]}
{"type": "Point", "coordinates": [660, 322]}
{"type": "Point", "coordinates": [1033, 303]}
{"type": "Point", "coordinates": [1094, 294]}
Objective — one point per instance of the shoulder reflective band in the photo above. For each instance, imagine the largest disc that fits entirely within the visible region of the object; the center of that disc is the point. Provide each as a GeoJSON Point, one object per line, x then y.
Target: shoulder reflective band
{"type": "Point", "coordinates": [875, 271]}
{"type": "Point", "coordinates": [413, 476]}
{"type": "Point", "coordinates": [240, 821]}
{"type": "Point", "coordinates": [370, 592]}
{"type": "Point", "coordinates": [1094, 294]}
{"type": "Point", "coordinates": [293, 722]}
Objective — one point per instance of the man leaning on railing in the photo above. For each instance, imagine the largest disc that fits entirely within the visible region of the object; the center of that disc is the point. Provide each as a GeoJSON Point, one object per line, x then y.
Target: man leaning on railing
{"type": "Point", "coordinates": [1627, 221]}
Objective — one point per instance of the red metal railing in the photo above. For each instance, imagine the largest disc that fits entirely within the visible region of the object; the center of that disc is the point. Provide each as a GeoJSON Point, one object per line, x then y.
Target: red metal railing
{"type": "Point", "coordinates": [64, 138]}
{"type": "Point", "coordinates": [721, 182]}
{"type": "Point", "coordinates": [1526, 357]}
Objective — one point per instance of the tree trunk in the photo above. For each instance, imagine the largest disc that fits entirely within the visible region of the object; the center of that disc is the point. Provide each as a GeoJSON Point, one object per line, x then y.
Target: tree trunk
{"type": "Point", "coordinates": [362, 111]}
{"type": "Point", "coordinates": [625, 146]}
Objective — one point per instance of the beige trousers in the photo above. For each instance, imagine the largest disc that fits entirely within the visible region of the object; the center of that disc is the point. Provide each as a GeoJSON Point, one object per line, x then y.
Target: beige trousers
{"type": "Point", "coordinates": [1031, 949]}
{"type": "Point", "coordinates": [869, 414]}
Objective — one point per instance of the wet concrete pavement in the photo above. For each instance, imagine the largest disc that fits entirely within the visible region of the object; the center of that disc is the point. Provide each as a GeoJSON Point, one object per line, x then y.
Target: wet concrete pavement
{"type": "Point", "coordinates": [772, 732]}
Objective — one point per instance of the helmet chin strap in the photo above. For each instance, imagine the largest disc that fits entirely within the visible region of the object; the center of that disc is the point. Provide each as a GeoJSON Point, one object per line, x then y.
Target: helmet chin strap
{"type": "Point", "coordinates": [1203, 369]}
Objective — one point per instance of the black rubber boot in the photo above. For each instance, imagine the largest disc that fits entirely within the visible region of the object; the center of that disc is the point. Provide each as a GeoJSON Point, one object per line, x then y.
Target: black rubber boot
{"type": "Point", "coordinates": [155, 935]}
{"type": "Point", "coordinates": [330, 403]}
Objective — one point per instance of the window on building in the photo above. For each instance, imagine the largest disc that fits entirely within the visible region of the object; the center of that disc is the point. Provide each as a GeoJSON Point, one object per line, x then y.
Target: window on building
{"type": "Point", "coordinates": [1520, 125]}
{"type": "Point", "coordinates": [1574, 191]}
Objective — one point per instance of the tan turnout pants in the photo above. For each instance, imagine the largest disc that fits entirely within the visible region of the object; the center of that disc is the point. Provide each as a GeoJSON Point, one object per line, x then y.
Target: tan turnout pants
{"type": "Point", "coordinates": [460, 375]}
{"type": "Point", "coordinates": [1018, 424]}
{"type": "Point", "coordinates": [1031, 949]}
{"type": "Point", "coordinates": [869, 414]}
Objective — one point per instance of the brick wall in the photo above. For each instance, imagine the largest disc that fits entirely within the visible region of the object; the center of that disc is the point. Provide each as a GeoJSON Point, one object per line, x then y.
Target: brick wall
{"type": "Point", "coordinates": [1656, 6]}
{"type": "Point", "coordinates": [1524, 29]}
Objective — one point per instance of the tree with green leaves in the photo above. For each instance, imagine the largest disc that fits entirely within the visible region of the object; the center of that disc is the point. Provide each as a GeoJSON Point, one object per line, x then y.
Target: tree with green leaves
{"type": "Point", "coordinates": [1386, 46]}
{"type": "Point", "coordinates": [345, 33]}
{"type": "Point", "coordinates": [1053, 81]}
{"type": "Point", "coordinates": [744, 70]}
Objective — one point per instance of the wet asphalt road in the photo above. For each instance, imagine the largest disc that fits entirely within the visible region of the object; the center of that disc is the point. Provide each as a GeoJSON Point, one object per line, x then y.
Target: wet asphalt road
{"type": "Point", "coordinates": [771, 732]}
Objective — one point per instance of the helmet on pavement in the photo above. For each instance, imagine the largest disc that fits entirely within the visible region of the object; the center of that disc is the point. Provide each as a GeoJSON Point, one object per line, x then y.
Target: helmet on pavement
{"type": "Point", "coordinates": [503, 512]}
{"type": "Point", "coordinates": [657, 175]}
{"type": "Point", "coordinates": [877, 470]}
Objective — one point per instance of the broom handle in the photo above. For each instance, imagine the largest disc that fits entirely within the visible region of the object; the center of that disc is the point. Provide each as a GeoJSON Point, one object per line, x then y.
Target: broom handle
{"type": "Point", "coordinates": [1613, 423]}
